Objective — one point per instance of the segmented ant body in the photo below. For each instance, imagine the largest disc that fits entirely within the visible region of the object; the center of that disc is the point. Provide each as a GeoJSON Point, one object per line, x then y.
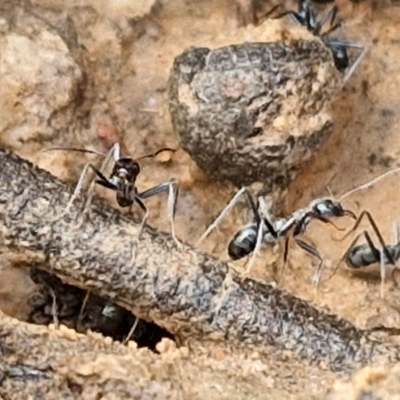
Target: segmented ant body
{"type": "Point", "coordinates": [244, 242]}
{"type": "Point", "coordinates": [306, 16]}
{"type": "Point", "coordinates": [263, 230]}
{"type": "Point", "coordinates": [122, 181]}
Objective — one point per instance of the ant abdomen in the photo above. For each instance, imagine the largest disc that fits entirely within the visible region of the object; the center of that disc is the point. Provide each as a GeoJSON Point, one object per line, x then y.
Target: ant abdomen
{"type": "Point", "coordinates": [243, 243]}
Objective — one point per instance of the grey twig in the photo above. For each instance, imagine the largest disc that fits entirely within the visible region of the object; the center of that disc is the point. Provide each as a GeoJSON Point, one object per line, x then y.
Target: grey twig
{"type": "Point", "coordinates": [190, 293]}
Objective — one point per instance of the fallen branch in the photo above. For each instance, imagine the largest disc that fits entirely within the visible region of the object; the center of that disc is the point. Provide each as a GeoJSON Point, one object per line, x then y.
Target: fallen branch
{"type": "Point", "coordinates": [189, 293]}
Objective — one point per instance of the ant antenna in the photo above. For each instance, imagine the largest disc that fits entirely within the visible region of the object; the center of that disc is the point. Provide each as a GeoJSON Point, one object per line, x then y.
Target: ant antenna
{"type": "Point", "coordinates": [370, 183]}
{"type": "Point", "coordinates": [90, 151]}
{"type": "Point", "coordinates": [117, 151]}
{"type": "Point", "coordinates": [152, 155]}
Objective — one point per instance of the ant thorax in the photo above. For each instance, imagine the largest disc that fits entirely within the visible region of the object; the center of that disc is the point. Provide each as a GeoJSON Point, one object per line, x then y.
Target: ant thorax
{"type": "Point", "coordinates": [119, 180]}
{"type": "Point", "coordinates": [281, 226]}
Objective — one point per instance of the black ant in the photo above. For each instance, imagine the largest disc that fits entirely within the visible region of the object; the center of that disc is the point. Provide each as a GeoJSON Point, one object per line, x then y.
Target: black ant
{"type": "Point", "coordinates": [306, 16]}
{"type": "Point", "coordinates": [122, 180]}
{"type": "Point", "coordinates": [368, 260]}
{"type": "Point", "coordinates": [265, 230]}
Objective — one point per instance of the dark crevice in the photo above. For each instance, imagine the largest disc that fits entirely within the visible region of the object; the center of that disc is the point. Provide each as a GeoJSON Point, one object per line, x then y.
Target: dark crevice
{"type": "Point", "coordinates": [99, 315]}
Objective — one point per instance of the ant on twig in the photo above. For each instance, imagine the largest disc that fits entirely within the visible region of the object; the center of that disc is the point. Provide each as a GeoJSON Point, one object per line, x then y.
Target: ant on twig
{"type": "Point", "coordinates": [122, 181]}
{"type": "Point", "coordinates": [306, 16]}
{"type": "Point", "coordinates": [249, 239]}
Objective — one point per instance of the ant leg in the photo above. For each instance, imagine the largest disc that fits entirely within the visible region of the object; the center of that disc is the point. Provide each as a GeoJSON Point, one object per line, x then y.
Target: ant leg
{"type": "Point", "coordinates": [173, 191]}
{"type": "Point", "coordinates": [377, 233]}
{"type": "Point", "coordinates": [260, 235]}
{"type": "Point", "coordinates": [285, 258]}
{"type": "Point", "coordinates": [313, 251]}
{"type": "Point", "coordinates": [266, 218]}
{"type": "Point", "coordinates": [145, 216]}
{"type": "Point", "coordinates": [78, 187]}
{"type": "Point", "coordinates": [396, 232]}
{"type": "Point", "coordinates": [227, 209]}
{"type": "Point", "coordinates": [357, 62]}
{"type": "Point", "coordinates": [265, 16]}
{"type": "Point", "coordinates": [381, 259]}
{"type": "Point", "coordinates": [262, 221]}
{"type": "Point", "coordinates": [56, 321]}
{"type": "Point", "coordinates": [384, 255]}
{"type": "Point", "coordinates": [331, 14]}
{"type": "Point", "coordinates": [355, 226]}
{"type": "Point", "coordinates": [291, 14]}
{"type": "Point", "coordinates": [83, 306]}
{"type": "Point", "coordinates": [131, 331]}
{"type": "Point", "coordinates": [142, 223]}
{"type": "Point", "coordinates": [115, 153]}
{"type": "Point", "coordinates": [345, 255]}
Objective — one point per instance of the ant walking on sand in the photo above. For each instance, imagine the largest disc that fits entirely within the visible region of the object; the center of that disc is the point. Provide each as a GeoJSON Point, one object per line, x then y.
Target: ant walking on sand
{"type": "Point", "coordinates": [263, 229]}
{"type": "Point", "coordinates": [306, 16]}
{"type": "Point", "coordinates": [122, 181]}
{"type": "Point", "coordinates": [367, 259]}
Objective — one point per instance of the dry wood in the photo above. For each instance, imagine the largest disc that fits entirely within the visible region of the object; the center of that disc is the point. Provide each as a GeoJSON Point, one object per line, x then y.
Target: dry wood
{"type": "Point", "coordinates": [190, 293]}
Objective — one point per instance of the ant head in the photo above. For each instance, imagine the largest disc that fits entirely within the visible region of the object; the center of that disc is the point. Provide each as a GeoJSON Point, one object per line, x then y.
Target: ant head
{"type": "Point", "coordinates": [125, 169]}
{"type": "Point", "coordinates": [329, 209]}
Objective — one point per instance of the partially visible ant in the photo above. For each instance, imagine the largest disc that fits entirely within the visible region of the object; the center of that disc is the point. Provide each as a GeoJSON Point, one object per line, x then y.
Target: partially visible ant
{"type": "Point", "coordinates": [368, 260]}
{"type": "Point", "coordinates": [306, 16]}
{"type": "Point", "coordinates": [249, 239]}
{"type": "Point", "coordinates": [122, 180]}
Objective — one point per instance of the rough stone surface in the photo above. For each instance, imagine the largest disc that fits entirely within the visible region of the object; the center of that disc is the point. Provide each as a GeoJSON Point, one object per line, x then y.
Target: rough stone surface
{"type": "Point", "coordinates": [39, 78]}
{"type": "Point", "coordinates": [253, 112]}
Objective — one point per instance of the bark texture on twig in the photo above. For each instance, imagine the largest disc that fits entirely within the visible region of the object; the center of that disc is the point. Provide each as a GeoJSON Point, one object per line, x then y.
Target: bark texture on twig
{"type": "Point", "coordinates": [189, 293]}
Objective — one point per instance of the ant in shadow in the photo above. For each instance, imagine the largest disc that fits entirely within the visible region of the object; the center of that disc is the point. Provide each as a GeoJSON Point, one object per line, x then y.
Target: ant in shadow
{"type": "Point", "coordinates": [306, 16]}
